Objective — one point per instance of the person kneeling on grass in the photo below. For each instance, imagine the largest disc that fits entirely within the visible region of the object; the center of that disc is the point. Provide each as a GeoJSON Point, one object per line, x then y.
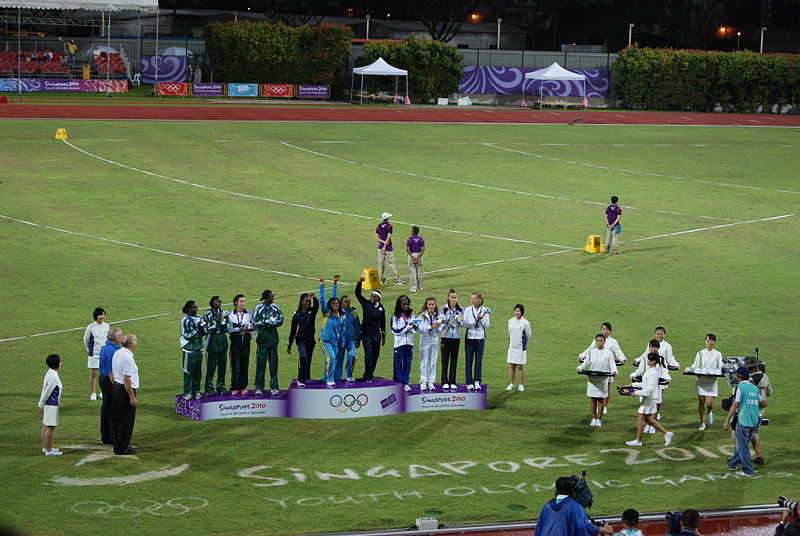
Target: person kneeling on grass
{"type": "Point", "coordinates": [649, 392]}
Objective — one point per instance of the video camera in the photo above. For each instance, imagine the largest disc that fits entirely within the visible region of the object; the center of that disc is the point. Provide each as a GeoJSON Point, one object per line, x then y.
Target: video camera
{"type": "Point", "coordinates": [581, 493]}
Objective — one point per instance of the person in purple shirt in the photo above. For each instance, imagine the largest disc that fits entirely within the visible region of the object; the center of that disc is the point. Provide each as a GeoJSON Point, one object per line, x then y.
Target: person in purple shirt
{"type": "Point", "coordinates": [415, 247]}
{"type": "Point", "coordinates": [383, 234]}
{"type": "Point", "coordinates": [613, 214]}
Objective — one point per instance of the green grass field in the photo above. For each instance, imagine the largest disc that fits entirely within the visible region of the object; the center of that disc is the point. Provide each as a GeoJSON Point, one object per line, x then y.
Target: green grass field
{"type": "Point", "coordinates": [249, 476]}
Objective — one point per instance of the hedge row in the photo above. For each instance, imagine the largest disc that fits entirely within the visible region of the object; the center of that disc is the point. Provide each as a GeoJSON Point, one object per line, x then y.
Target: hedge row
{"type": "Point", "coordinates": [434, 68]}
{"type": "Point", "coordinates": [276, 53]}
{"type": "Point", "coordinates": [693, 80]}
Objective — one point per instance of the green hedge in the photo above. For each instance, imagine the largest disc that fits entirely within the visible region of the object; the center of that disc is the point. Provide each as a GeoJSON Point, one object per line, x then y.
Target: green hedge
{"type": "Point", "coordinates": [278, 54]}
{"type": "Point", "coordinates": [434, 68]}
{"type": "Point", "coordinates": [694, 80]}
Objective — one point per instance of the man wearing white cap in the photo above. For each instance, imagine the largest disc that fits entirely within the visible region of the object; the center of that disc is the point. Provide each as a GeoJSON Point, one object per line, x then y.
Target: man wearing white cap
{"type": "Point", "coordinates": [383, 234]}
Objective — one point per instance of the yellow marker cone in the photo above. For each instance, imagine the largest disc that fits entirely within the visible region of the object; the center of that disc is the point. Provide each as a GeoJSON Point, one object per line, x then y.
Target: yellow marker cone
{"type": "Point", "coordinates": [61, 133]}
{"type": "Point", "coordinates": [594, 244]}
{"type": "Point", "coordinates": [371, 281]}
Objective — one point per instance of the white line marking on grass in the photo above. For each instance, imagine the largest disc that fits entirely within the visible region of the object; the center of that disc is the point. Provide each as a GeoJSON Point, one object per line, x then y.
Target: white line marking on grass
{"type": "Point", "coordinates": [475, 185]}
{"type": "Point", "coordinates": [678, 233]}
{"type": "Point", "coordinates": [634, 172]}
{"type": "Point", "coordinates": [307, 207]}
{"type": "Point", "coordinates": [117, 480]}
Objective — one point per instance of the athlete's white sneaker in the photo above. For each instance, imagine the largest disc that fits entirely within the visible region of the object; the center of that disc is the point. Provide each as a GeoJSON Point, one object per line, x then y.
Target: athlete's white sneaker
{"type": "Point", "coordinates": [351, 380]}
{"type": "Point", "coordinates": [331, 384]}
{"type": "Point", "coordinates": [259, 392]}
{"type": "Point", "coordinates": [406, 388]}
{"type": "Point", "coordinates": [470, 386]}
{"type": "Point", "coordinates": [477, 386]}
{"type": "Point", "coordinates": [53, 448]}
{"type": "Point", "coordinates": [93, 396]}
{"type": "Point", "coordinates": [445, 386]}
{"type": "Point", "coordinates": [431, 387]}
{"type": "Point", "coordinates": [593, 423]}
{"type": "Point", "coordinates": [520, 388]}
{"type": "Point", "coordinates": [510, 387]}
{"type": "Point", "coordinates": [53, 452]}
{"type": "Point", "coordinates": [301, 384]}
{"type": "Point", "coordinates": [599, 422]}
{"type": "Point", "coordinates": [702, 426]}
{"type": "Point", "coordinates": [274, 392]}
{"type": "Point", "coordinates": [634, 443]}
{"type": "Point", "coordinates": [423, 386]}
{"type": "Point", "coordinates": [710, 418]}
{"type": "Point", "coordinates": [667, 439]}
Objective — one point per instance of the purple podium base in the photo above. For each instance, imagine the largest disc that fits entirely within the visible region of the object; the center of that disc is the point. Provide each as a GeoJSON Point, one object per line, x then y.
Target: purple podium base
{"type": "Point", "coordinates": [345, 400]}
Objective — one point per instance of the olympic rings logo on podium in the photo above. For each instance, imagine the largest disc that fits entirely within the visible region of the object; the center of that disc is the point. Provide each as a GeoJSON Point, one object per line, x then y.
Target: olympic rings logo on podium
{"type": "Point", "coordinates": [349, 402]}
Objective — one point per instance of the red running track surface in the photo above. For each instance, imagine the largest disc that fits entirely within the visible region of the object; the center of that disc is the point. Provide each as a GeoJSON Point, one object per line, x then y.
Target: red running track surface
{"type": "Point", "coordinates": [382, 114]}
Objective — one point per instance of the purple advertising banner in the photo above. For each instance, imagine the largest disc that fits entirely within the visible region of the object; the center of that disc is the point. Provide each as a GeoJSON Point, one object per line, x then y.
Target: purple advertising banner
{"type": "Point", "coordinates": [45, 84]}
{"type": "Point", "coordinates": [512, 81]}
{"type": "Point", "coordinates": [305, 91]}
{"type": "Point", "coordinates": [208, 90]}
{"type": "Point", "coordinates": [170, 69]}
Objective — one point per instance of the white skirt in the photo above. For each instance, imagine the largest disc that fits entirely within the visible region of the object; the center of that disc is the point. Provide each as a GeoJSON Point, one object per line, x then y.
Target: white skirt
{"type": "Point", "coordinates": [706, 386]}
{"type": "Point", "coordinates": [517, 356]}
{"type": "Point", "coordinates": [93, 362]}
{"type": "Point", "coordinates": [648, 406]}
{"type": "Point", "coordinates": [50, 416]}
{"type": "Point", "coordinates": [597, 387]}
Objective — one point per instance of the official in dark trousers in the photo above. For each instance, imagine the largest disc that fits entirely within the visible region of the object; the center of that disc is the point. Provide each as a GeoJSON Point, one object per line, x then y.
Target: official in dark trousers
{"type": "Point", "coordinates": [106, 381]}
{"type": "Point", "coordinates": [126, 382]}
{"type": "Point", "coordinates": [302, 333]}
{"type": "Point", "coordinates": [373, 329]}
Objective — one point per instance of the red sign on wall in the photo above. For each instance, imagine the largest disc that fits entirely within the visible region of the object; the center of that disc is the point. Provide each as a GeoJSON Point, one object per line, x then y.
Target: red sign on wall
{"type": "Point", "coordinates": [277, 90]}
{"type": "Point", "coordinates": [179, 89]}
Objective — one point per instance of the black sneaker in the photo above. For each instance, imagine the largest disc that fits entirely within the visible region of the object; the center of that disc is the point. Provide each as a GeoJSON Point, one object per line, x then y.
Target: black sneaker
{"type": "Point", "coordinates": [127, 452]}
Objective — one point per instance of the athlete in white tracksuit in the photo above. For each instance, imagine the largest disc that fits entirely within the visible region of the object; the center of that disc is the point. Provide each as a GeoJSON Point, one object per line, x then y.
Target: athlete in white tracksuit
{"type": "Point", "coordinates": [429, 328]}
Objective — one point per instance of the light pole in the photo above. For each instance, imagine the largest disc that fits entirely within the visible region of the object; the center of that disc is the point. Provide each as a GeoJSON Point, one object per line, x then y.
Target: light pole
{"type": "Point", "coordinates": [498, 32]}
{"type": "Point", "coordinates": [630, 33]}
{"type": "Point", "coordinates": [761, 47]}
{"type": "Point", "coordinates": [367, 17]}
{"type": "Point", "coordinates": [738, 39]}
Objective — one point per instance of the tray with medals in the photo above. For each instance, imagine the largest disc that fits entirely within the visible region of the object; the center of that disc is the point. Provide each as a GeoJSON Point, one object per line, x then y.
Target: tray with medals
{"type": "Point", "coordinates": [706, 373]}
{"type": "Point", "coordinates": [596, 373]}
{"type": "Point", "coordinates": [661, 381]}
{"type": "Point", "coordinates": [626, 390]}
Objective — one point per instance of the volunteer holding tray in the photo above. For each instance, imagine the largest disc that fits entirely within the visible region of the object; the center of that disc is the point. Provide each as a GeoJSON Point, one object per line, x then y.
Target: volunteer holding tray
{"type": "Point", "coordinates": [707, 367]}
{"type": "Point", "coordinates": [600, 367]}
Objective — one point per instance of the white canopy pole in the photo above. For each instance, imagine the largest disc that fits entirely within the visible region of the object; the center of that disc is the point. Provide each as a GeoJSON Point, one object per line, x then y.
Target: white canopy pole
{"type": "Point", "coordinates": [362, 89]}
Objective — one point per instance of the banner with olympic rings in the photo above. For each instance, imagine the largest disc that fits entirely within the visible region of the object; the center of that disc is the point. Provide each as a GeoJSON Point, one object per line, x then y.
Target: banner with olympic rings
{"type": "Point", "coordinates": [277, 90]}
{"type": "Point", "coordinates": [175, 89]}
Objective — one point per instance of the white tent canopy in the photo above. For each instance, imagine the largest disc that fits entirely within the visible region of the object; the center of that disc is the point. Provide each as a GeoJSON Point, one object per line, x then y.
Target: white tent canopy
{"type": "Point", "coordinates": [378, 68]}
{"type": "Point", "coordinates": [552, 73]}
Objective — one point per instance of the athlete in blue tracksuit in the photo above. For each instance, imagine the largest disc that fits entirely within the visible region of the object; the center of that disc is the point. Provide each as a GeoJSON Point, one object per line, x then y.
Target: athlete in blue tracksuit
{"type": "Point", "coordinates": [332, 338]}
{"type": "Point", "coordinates": [352, 340]}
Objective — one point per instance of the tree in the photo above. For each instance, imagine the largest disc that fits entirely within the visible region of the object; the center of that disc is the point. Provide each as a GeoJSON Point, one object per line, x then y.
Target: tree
{"type": "Point", "coordinates": [443, 18]}
{"type": "Point", "coordinates": [296, 12]}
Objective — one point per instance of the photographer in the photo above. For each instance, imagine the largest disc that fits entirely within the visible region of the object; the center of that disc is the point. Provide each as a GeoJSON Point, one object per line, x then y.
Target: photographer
{"type": "Point", "coordinates": [786, 528]}
{"type": "Point", "coordinates": [563, 516]}
{"type": "Point", "coordinates": [760, 380]}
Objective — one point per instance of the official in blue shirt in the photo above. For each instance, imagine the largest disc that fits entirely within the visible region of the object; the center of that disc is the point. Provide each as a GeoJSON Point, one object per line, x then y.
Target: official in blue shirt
{"type": "Point", "coordinates": [106, 381]}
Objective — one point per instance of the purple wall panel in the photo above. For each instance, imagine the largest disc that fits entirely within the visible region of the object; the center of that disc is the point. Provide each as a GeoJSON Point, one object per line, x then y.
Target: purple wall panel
{"type": "Point", "coordinates": [511, 81]}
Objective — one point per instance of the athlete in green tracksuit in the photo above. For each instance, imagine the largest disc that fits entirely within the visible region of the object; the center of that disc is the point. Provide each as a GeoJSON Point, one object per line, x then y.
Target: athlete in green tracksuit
{"type": "Point", "coordinates": [192, 331]}
{"type": "Point", "coordinates": [267, 318]}
{"type": "Point", "coordinates": [216, 346]}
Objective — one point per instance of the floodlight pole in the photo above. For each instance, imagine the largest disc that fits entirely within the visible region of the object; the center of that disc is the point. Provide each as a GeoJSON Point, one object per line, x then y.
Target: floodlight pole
{"type": "Point", "coordinates": [630, 33]}
{"type": "Point", "coordinates": [367, 17]}
{"type": "Point", "coordinates": [761, 47]}
{"type": "Point", "coordinates": [498, 32]}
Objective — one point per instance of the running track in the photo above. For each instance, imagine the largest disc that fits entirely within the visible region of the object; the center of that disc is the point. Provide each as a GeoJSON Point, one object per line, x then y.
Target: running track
{"type": "Point", "coordinates": [300, 113]}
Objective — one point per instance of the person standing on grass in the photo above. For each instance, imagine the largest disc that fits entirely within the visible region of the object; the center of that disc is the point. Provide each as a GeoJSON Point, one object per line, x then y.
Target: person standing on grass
{"type": "Point", "coordinates": [216, 346]}
{"type": "Point", "coordinates": [747, 403]}
{"type": "Point", "coordinates": [613, 215]}
{"type": "Point", "coordinates": [192, 329]}
{"type": "Point", "coordinates": [267, 318]}
{"type": "Point", "coordinates": [333, 328]}
{"type": "Point", "coordinates": [373, 328]}
{"type": "Point", "coordinates": [760, 380]}
{"type": "Point", "coordinates": [383, 234]}
{"type": "Point", "coordinates": [49, 401]}
{"type": "Point", "coordinates": [519, 335]}
{"type": "Point", "coordinates": [94, 337]}
{"type": "Point", "coordinates": [429, 328]}
{"type": "Point", "coordinates": [106, 381]}
{"type": "Point", "coordinates": [403, 326]}
{"type": "Point", "coordinates": [649, 391]}
{"type": "Point", "coordinates": [476, 320]}
{"type": "Point", "coordinates": [612, 346]}
{"type": "Point", "coordinates": [240, 324]}
{"type": "Point", "coordinates": [707, 361]}
{"type": "Point", "coordinates": [451, 339]}
{"type": "Point", "coordinates": [415, 247]}
{"type": "Point", "coordinates": [302, 333]}
{"type": "Point", "coordinates": [126, 382]}
{"type": "Point", "coordinates": [598, 359]}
